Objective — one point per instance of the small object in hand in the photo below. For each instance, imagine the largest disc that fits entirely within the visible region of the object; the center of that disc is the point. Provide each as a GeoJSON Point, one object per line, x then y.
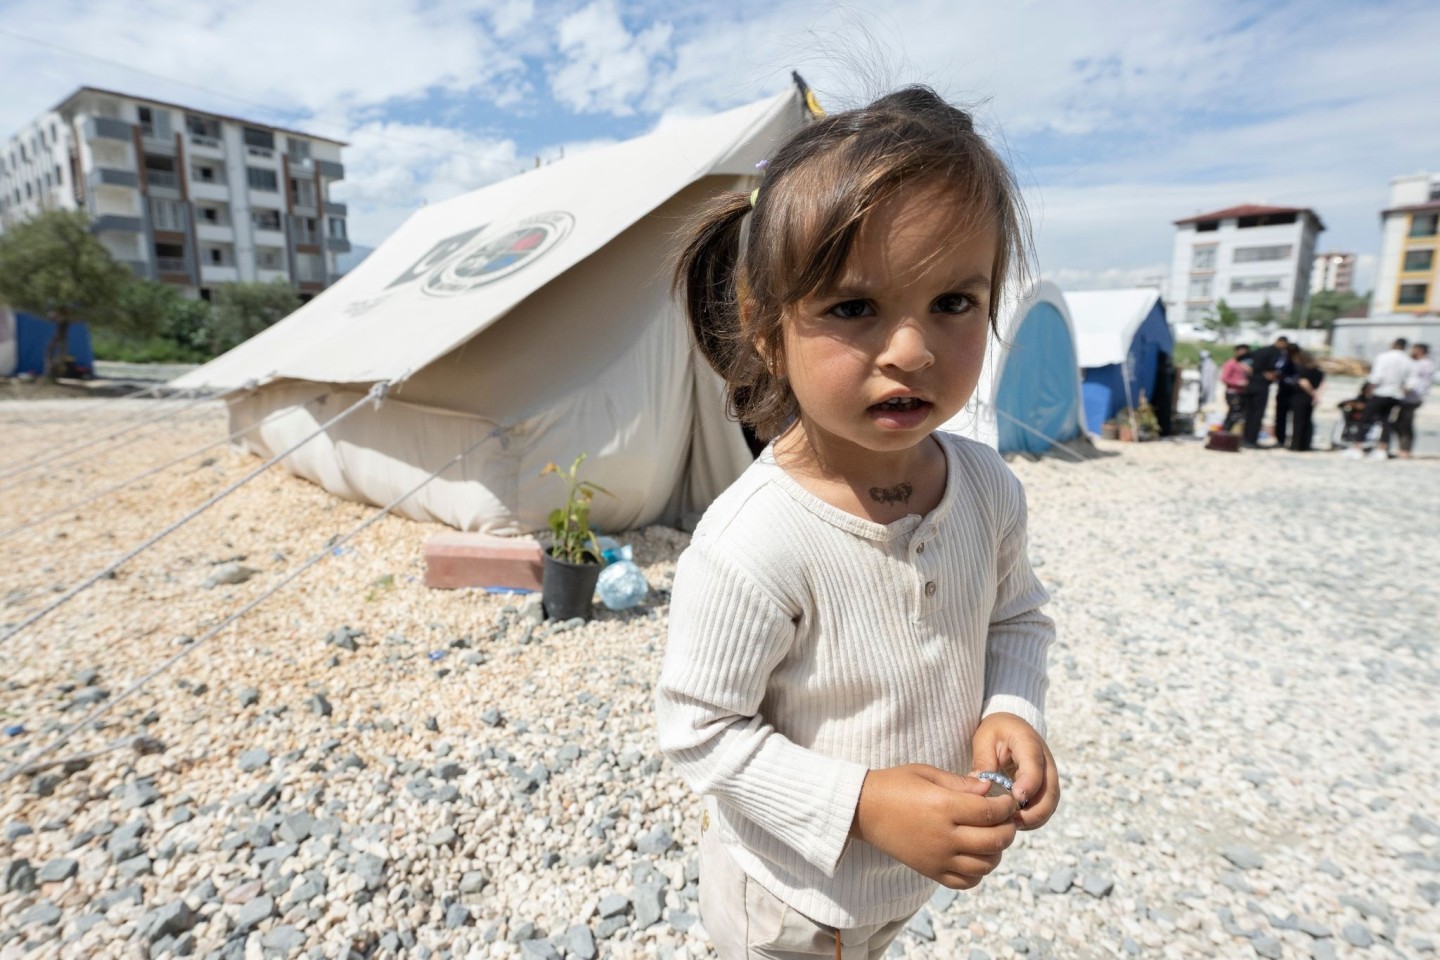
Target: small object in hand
{"type": "Point", "coordinates": [998, 783]}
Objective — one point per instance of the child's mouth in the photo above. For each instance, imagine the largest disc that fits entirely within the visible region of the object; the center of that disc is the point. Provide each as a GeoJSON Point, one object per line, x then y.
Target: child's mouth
{"type": "Point", "coordinates": [900, 412]}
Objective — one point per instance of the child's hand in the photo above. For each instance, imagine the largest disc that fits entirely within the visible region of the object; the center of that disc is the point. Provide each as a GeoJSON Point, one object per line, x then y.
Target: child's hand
{"type": "Point", "coordinates": [1005, 742]}
{"type": "Point", "coordinates": [937, 823]}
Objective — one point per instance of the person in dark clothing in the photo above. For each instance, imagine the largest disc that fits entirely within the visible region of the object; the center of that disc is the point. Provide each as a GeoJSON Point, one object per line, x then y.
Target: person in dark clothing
{"type": "Point", "coordinates": [1265, 370]}
{"type": "Point", "coordinates": [1305, 392]}
{"type": "Point", "coordinates": [1287, 393]}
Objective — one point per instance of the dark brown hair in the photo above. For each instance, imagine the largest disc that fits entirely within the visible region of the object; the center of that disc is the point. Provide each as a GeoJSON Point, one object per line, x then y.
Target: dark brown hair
{"type": "Point", "coordinates": [818, 188]}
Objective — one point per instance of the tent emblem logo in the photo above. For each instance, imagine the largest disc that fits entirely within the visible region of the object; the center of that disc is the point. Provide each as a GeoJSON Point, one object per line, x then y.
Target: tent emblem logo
{"type": "Point", "coordinates": [501, 253]}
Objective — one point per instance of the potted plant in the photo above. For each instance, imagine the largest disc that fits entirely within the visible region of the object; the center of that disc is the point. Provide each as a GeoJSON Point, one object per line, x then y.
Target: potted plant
{"type": "Point", "coordinates": [1110, 430]}
{"type": "Point", "coordinates": [1125, 425]}
{"type": "Point", "coordinates": [572, 563]}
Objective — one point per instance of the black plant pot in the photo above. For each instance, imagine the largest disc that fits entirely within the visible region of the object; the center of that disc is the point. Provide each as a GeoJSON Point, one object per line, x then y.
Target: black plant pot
{"type": "Point", "coordinates": [568, 589]}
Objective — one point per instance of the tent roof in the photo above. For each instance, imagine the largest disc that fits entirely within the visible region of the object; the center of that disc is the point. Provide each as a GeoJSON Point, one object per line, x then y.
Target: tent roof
{"type": "Point", "coordinates": [1105, 322]}
{"type": "Point", "coordinates": [454, 268]}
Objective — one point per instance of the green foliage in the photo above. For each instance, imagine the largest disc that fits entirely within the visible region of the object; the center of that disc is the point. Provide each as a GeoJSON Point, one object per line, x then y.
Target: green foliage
{"type": "Point", "coordinates": [245, 309]}
{"type": "Point", "coordinates": [573, 539]}
{"type": "Point", "coordinates": [1188, 354]}
{"type": "Point", "coordinates": [181, 327]}
{"type": "Point", "coordinates": [1224, 322]}
{"type": "Point", "coordinates": [1326, 305]}
{"type": "Point", "coordinates": [51, 265]}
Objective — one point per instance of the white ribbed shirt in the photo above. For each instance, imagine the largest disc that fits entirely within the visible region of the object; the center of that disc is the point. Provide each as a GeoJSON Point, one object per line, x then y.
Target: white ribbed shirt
{"type": "Point", "coordinates": [808, 645]}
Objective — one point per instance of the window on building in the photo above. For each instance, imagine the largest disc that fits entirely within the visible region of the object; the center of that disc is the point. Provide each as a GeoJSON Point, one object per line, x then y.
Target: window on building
{"type": "Point", "coordinates": [155, 123]}
{"type": "Point", "coordinates": [1207, 226]}
{"type": "Point", "coordinates": [309, 268]}
{"type": "Point", "coordinates": [269, 258]}
{"type": "Point", "coordinates": [29, 190]}
{"type": "Point", "coordinates": [1203, 258]}
{"type": "Point", "coordinates": [1423, 224]}
{"type": "Point", "coordinates": [337, 227]}
{"type": "Point", "coordinates": [1413, 294]}
{"type": "Point", "coordinates": [206, 173]}
{"type": "Point", "coordinates": [1255, 254]}
{"type": "Point", "coordinates": [1419, 260]}
{"type": "Point", "coordinates": [202, 126]}
{"type": "Point", "coordinates": [167, 214]}
{"type": "Point", "coordinates": [215, 255]}
{"type": "Point", "coordinates": [212, 215]}
{"type": "Point", "coordinates": [170, 258]}
{"type": "Point", "coordinates": [58, 178]}
{"type": "Point", "coordinates": [1265, 220]}
{"type": "Point", "coordinates": [1434, 190]}
{"type": "Point", "coordinates": [265, 219]}
{"type": "Point", "coordinates": [298, 149]}
{"type": "Point", "coordinates": [302, 191]}
{"type": "Point", "coordinates": [305, 230]}
{"type": "Point", "coordinates": [1201, 287]}
{"type": "Point", "coordinates": [1256, 284]}
{"type": "Point", "coordinates": [261, 179]}
{"type": "Point", "coordinates": [264, 139]}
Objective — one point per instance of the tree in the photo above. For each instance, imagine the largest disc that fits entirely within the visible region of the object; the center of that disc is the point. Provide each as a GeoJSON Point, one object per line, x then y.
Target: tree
{"type": "Point", "coordinates": [53, 266]}
{"type": "Point", "coordinates": [1265, 316]}
{"type": "Point", "coordinates": [244, 309]}
{"type": "Point", "coordinates": [182, 324]}
{"type": "Point", "coordinates": [1224, 322]}
{"type": "Point", "coordinates": [1326, 305]}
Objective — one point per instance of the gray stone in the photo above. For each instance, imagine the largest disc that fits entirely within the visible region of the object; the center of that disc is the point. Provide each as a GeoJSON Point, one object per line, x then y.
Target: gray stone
{"type": "Point", "coordinates": [1369, 909]}
{"type": "Point", "coordinates": [444, 837]}
{"type": "Point", "coordinates": [263, 795]}
{"type": "Point", "coordinates": [1243, 857]}
{"type": "Point", "coordinates": [17, 829]}
{"type": "Point", "coordinates": [681, 920]}
{"type": "Point", "coordinates": [297, 827]}
{"type": "Point", "coordinates": [656, 843]}
{"type": "Point", "coordinates": [492, 718]}
{"type": "Point", "coordinates": [921, 926]}
{"type": "Point", "coordinates": [319, 705]}
{"type": "Point", "coordinates": [1268, 946]}
{"type": "Point", "coordinates": [90, 696]}
{"type": "Point", "coordinates": [369, 868]}
{"type": "Point", "coordinates": [649, 905]}
{"type": "Point", "coordinates": [613, 905]}
{"type": "Point", "coordinates": [139, 794]}
{"type": "Point", "coordinates": [456, 915]}
{"type": "Point", "coordinates": [473, 882]}
{"type": "Point", "coordinates": [134, 867]}
{"type": "Point", "coordinates": [1313, 928]}
{"type": "Point", "coordinates": [19, 877]}
{"type": "Point", "coordinates": [580, 942]}
{"type": "Point", "coordinates": [448, 770]}
{"type": "Point", "coordinates": [283, 940]}
{"type": "Point", "coordinates": [133, 893]}
{"type": "Point", "coordinates": [1323, 950]}
{"type": "Point", "coordinates": [275, 853]}
{"type": "Point", "coordinates": [610, 926]}
{"type": "Point", "coordinates": [1429, 892]}
{"type": "Point", "coordinates": [1423, 824]}
{"type": "Point", "coordinates": [254, 759]}
{"type": "Point", "coordinates": [1357, 935]}
{"type": "Point", "coordinates": [253, 913]}
{"type": "Point", "coordinates": [538, 950]}
{"type": "Point", "coordinates": [1332, 868]}
{"type": "Point", "coordinates": [943, 898]}
{"type": "Point", "coordinates": [171, 920]}
{"type": "Point", "coordinates": [312, 886]}
{"type": "Point", "coordinates": [1060, 880]}
{"type": "Point", "coordinates": [248, 696]}
{"type": "Point", "coordinates": [1098, 886]}
{"type": "Point", "coordinates": [229, 574]}
{"type": "Point", "coordinates": [44, 914]}
{"type": "Point", "coordinates": [61, 868]}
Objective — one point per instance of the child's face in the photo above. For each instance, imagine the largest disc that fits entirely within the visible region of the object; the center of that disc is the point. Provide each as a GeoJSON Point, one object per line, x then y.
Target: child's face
{"type": "Point", "coordinates": [907, 321]}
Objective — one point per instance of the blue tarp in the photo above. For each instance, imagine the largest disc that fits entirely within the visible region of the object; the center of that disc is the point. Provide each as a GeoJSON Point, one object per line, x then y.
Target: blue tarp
{"type": "Point", "coordinates": [1152, 338]}
{"type": "Point", "coordinates": [32, 339]}
{"type": "Point", "coordinates": [1040, 386]}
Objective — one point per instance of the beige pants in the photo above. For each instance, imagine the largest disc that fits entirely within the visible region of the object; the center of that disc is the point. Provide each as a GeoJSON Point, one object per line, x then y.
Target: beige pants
{"type": "Point", "coordinates": [748, 922]}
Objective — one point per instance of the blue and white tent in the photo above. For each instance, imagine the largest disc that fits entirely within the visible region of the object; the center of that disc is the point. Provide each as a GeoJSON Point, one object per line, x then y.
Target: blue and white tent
{"type": "Point", "coordinates": [1125, 347]}
{"type": "Point", "coordinates": [1028, 398]}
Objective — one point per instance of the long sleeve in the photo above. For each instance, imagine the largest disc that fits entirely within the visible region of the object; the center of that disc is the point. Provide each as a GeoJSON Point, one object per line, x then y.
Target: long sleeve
{"type": "Point", "coordinates": [727, 635]}
{"type": "Point", "coordinates": [1020, 635]}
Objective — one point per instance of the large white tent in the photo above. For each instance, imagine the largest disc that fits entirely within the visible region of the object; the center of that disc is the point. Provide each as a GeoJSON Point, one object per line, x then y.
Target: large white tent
{"type": "Point", "coordinates": [534, 313]}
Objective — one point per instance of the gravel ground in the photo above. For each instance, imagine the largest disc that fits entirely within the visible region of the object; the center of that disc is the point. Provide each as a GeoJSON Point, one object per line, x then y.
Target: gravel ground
{"type": "Point", "coordinates": [1242, 705]}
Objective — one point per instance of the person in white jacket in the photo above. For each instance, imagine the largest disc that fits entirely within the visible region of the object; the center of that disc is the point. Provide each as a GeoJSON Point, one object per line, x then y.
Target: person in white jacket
{"type": "Point", "coordinates": [1389, 373]}
{"type": "Point", "coordinates": [1417, 388]}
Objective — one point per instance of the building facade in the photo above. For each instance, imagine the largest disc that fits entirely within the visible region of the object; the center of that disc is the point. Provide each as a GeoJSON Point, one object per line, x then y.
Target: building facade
{"type": "Point", "coordinates": [183, 196]}
{"type": "Point", "coordinates": [1333, 271]}
{"type": "Point", "coordinates": [1246, 256]}
{"type": "Point", "coordinates": [1408, 277]}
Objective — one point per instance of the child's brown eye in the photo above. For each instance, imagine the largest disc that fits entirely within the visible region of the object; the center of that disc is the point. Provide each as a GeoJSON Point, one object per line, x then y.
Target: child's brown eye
{"type": "Point", "coordinates": [850, 309]}
{"type": "Point", "coordinates": [954, 303]}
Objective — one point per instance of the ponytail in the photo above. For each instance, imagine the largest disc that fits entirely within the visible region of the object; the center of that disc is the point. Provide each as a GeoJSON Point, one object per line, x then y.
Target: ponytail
{"type": "Point", "coordinates": [705, 276]}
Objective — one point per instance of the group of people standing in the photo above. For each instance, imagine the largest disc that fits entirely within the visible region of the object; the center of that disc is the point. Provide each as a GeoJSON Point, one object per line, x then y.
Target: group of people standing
{"type": "Point", "coordinates": [1399, 381]}
{"type": "Point", "coordinates": [1248, 376]}
{"type": "Point", "coordinates": [1397, 385]}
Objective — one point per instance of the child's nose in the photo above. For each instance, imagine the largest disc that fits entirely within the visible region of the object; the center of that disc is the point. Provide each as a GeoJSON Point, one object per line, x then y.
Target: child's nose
{"type": "Point", "coordinates": [907, 348]}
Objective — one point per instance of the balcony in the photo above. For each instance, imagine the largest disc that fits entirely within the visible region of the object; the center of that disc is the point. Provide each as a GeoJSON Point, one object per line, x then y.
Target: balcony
{"type": "Point", "coordinates": [209, 190]}
{"type": "Point", "coordinates": [108, 128]}
{"type": "Point", "coordinates": [164, 179]}
{"type": "Point", "coordinates": [218, 232]}
{"type": "Point", "coordinates": [333, 209]}
{"type": "Point", "coordinates": [116, 223]}
{"type": "Point", "coordinates": [337, 245]}
{"type": "Point", "coordinates": [109, 176]}
{"type": "Point", "coordinates": [173, 266]}
{"type": "Point", "coordinates": [261, 153]}
{"type": "Point", "coordinates": [269, 274]}
{"type": "Point", "coordinates": [269, 238]}
{"type": "Point", "coordinates": [201, 145]}
{"type": "Point", "coordinates": [330, 170]}
{"type": "Point", "coordinates": [219, 273]}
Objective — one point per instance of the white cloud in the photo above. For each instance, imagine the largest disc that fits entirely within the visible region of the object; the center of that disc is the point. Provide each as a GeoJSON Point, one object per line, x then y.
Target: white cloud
{"type": "Point", "coordinates": [606, 68]}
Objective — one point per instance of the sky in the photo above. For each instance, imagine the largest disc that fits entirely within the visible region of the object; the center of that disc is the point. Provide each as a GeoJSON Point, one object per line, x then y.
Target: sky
{"type": "Point", "coordinates": [1118, 118]}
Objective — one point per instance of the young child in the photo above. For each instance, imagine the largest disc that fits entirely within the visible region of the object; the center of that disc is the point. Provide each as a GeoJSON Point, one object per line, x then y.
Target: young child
{"type": "Point", "coordinates": [855, 624]}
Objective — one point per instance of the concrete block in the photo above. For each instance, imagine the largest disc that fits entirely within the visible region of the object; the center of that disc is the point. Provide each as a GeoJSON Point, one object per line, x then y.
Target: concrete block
{"type": "Point", "coordinates": [455, 559]}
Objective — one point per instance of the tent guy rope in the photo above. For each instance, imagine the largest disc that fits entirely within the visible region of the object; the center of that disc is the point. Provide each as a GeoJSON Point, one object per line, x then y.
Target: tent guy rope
{"type": "Point", "coordinates": [1056, 444]}
{"type": "Point", "coordinates": [6, 534]}
{"type": "Point", "coordinates": [376, 394]}
{"type": "Point", "coordinates": [29, 765]}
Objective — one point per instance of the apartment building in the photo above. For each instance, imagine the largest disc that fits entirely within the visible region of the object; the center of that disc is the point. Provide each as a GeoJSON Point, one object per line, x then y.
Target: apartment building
{"type": "Point", "coordinates": [1408, 276]}
{"type": "Point", "coordinates": [1333, 271]}
{"type": "Point", "coordinates": [184, 196]}
{"type": "Point", "coordinates": [1247, 256]}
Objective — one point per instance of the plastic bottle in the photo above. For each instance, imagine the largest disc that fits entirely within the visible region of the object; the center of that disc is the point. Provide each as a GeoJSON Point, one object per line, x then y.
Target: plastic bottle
{"type": "Point", "coordinates": [622, 585]}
